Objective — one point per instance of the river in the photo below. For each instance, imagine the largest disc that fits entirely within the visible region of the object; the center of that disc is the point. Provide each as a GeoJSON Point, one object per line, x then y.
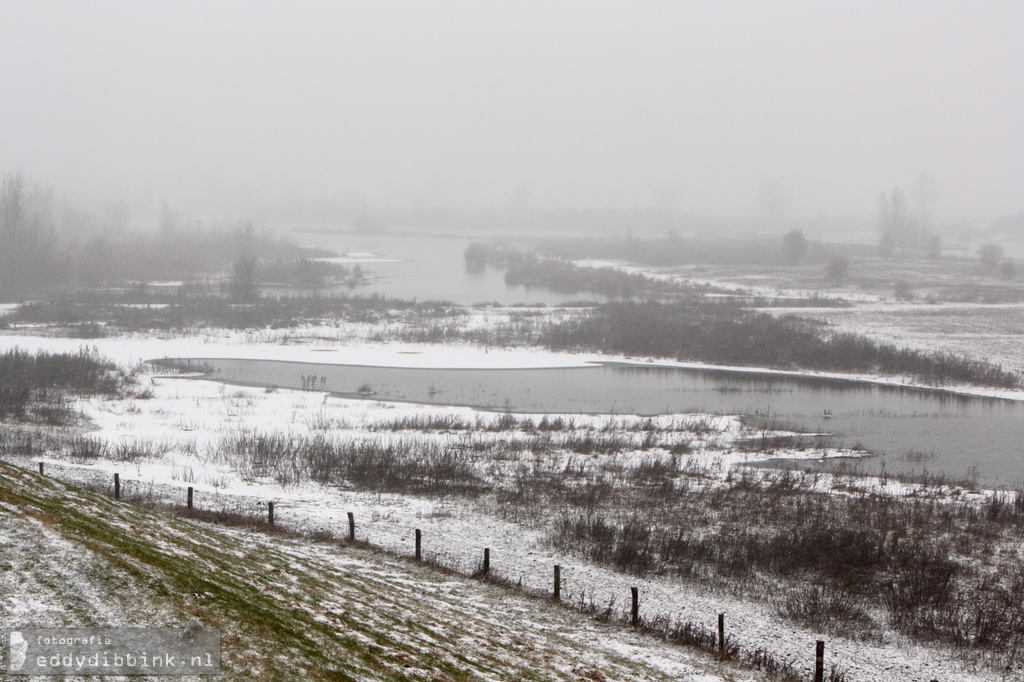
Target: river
{"type": "Point", "coordinates": [417, 266]}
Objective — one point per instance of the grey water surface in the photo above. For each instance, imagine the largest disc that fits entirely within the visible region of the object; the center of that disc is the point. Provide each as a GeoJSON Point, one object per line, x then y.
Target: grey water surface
{"type": "Point", "coordinates": [908, 430]}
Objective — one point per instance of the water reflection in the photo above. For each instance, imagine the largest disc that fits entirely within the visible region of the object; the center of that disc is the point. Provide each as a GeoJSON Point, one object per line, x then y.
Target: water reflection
{"type": "Point", "coordinates": [911, 430]}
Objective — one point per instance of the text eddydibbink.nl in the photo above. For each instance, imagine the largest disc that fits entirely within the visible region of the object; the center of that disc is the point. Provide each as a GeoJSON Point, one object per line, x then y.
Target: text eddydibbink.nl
{"type": "Point", "coordinates": [190, 650]}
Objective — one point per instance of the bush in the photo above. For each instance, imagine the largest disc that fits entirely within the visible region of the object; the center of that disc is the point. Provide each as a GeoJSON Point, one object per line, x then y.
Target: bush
{"type": "Point", "coordinates": [728, 335]}
{"type": "Point", "coordinates": [825, 609]}
{"type": "Point", "coordinates": [34, 384]}
{"type": "Point", "coordinates": [564, 277]}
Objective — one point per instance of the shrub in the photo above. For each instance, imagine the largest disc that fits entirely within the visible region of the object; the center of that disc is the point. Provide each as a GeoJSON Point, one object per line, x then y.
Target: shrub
{"type": "Point", "coordinates": [726, 334]}
{"type": "Point", "coordinates": [34, 384]}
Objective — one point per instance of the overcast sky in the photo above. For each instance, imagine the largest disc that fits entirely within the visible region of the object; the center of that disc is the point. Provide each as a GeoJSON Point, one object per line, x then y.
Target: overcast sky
{"type": "Point", "coordinates": [696, 107]}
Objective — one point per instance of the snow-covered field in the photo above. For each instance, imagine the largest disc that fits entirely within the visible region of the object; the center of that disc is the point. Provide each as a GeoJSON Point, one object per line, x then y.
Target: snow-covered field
{"type": "Point", "coordinates": [186, 418]}
{"type": "Point", "coordinates": [359, 344]}
{"type": "Point", "coordinates": [343, 608]}
{"type": "Point", "coordinates": [990, 332]}
{"type": "Point", "coordinates": [983, 331]}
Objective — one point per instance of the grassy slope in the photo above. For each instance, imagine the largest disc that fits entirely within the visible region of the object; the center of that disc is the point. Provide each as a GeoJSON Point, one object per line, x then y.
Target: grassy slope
{"type": "Point", "coordinates": [290, 609]}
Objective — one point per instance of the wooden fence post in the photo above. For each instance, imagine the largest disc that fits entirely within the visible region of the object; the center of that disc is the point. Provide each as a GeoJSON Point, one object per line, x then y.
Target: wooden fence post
{"type": "Point", "coordinates": [351, 527]}
{"type": "Point", "coordinates": [419, 545]}
{"type": "Point", "coordinates": [721, 635]}
{"type": "Point", "coordinates": [117, 486]}
{"type": "Point", "coordinates": [635, 615]}
{"type": "Point", "coordinates": [819, 662]}
{"type": "Point", "coordinates": [190, 497]}
{"type": "Point", "coordinates": [558, 583]}
{"type": "Point", "coordinates": [487, 560]}
{"type": "Point", "coordinates": [270, 513]}
{"type": "Point", "coordinates": [40, 468]}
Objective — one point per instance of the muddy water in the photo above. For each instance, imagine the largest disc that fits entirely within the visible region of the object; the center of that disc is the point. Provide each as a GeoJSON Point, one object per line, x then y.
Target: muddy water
{"type": "Point", "coordinates": [909, 430]}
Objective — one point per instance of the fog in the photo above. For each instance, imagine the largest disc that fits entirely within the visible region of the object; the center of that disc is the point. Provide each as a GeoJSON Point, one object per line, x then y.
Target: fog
{"type": "Point", "coordinates": [769, 109]}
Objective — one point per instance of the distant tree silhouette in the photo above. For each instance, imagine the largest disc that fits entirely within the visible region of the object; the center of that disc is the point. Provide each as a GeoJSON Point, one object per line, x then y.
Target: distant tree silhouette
{"type": "Point", "coordinates": [27, 242]}
{"type": "Point", "coordinates": [794, 246]}
{"type": "Point", "coordinates": [242, 285]}
{"type": "Point", "coordinates": [837, 269]}
{"type": "Point", "coordinates": [991, 255]}
{"type": "Point", "coordinates": [896, 223]}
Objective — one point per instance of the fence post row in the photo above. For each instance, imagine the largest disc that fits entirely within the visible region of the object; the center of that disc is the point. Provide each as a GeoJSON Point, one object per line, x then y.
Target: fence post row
{"type": "Point", "coordinates": [819, 653]}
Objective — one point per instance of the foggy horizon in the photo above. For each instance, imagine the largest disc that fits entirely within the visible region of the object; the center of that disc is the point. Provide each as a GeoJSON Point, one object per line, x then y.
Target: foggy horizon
{"type": "Point", "coordinates": [778, 110]}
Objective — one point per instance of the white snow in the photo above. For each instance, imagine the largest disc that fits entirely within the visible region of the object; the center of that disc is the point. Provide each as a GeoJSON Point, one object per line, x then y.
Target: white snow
{"type": "Point", "coordinates": [354, 257]}
{"type": "Point", "coordinates": [281, 346]}
{"type": "Point", "coordinates": [187, 417]}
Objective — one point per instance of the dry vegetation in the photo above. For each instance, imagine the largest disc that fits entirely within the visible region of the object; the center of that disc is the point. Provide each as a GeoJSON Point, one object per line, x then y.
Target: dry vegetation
{"type": "Point", "coordinates": [937, 564]}
{"type": "Point", "coordinates": [647, 496]}
{"type": "Point", "coordinates": [828, 554]}
{"type": "Point", "coordinates": [289, 607]}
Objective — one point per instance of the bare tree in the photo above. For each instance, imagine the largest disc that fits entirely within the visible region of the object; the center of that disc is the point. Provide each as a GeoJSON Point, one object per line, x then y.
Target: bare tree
{"type": "Point", "coordinates": [896, 223]}
{"type": "Point", "coordinates": [27, 244]}
{"type": "Point", "coordinates": [926, 195]}
{"type": "Point", "coordinates": [242, 285]}
{"type": "Point", "coordinates": [15, 194]}
{"type": "Point", "coordinates": [990, 255]}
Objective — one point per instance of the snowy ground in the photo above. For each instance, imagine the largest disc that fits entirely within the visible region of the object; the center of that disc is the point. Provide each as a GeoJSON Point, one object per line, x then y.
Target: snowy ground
{"type": "Point", "coordinates": [984, 331]}
{"type": "Point", "coordinates": [366, 613]}
{"type": "Point", "coordinates": [187, 417]}
{"type": "Point", "coordinates": [991, 332]}
{"type": "Point", "coordinates": [349, 345]}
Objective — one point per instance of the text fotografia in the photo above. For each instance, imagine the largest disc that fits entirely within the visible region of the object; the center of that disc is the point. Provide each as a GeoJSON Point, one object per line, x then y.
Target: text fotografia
{"type": "Point", "coordinates": [190, 650]}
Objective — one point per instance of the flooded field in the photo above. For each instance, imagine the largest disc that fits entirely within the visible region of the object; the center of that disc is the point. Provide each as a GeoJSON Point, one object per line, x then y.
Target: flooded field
{"type": "Point", "coordinates": [908, 430]}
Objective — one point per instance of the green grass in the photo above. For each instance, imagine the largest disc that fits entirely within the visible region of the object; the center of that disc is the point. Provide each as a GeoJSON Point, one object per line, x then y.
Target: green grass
{"type": "Point", "coordinates": [288, 608]}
